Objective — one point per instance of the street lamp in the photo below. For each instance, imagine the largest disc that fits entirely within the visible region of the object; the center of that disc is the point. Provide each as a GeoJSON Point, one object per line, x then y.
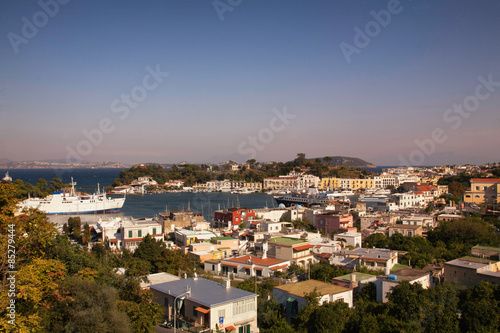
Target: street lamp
{"type": "Point", "coordinates": [175, 301]}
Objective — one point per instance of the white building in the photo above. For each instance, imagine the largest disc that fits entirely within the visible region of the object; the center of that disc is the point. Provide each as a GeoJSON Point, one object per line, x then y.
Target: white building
{"type": "Point", "coordinates": [127, 233]}
{"type": "Point", "coordinates": [246, 266]}
{"type": "Point", "coordinates": [209, 303]}
{"type": "Point", "coordinates": [185, 237]}
{"type": "Point", "coordinates": [306, 181]}
{"type": "Point", "coordinates": [384, 284]}
{"type": "Point", "coordinates": [352, 238]}
{"type": "Point", "coordinates": [409, 199]}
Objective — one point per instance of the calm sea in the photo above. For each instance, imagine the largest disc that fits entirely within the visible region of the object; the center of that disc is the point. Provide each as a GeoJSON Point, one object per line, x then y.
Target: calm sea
{"type": "Point", "coordinates": [139, 206]}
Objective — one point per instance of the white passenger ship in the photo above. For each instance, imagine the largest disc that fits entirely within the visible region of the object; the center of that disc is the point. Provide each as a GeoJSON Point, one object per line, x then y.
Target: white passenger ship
{"type": "Point", "coordinates": [68, 201]}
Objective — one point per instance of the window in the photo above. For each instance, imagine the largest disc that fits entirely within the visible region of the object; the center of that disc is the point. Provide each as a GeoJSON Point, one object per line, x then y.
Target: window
{"type": "Point", "coordinates": [130, 234]}
{"type": "Point", "coordinates": [154, 231]}
{"type": "Point", "coordinates": [195, 313]}
{"type": "Point", "coordinates": [243, 306]}
{"type": "Point", "coordinates": [139, 233]}
{"type": "Point", "coordinates": [258, 272]}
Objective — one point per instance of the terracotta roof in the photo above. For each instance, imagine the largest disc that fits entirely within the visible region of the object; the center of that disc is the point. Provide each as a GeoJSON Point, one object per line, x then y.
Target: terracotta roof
{"type": "Point", "coordinates": [426, 188]}
{"type": "Point", "coordinates": [230, 328]}
{"type": "Point", "coordinates": [229, 264]}
{"type": "Point", "coordinates": [275, 268]}
{"type": "Point", "coordinates": [302, 247]}
{"type": "Point", "coordinates": [323, 255]}
{"type": "Point", "coordinates": [255, 260]}
{"type": "Point", "coordinates": [486, 180]}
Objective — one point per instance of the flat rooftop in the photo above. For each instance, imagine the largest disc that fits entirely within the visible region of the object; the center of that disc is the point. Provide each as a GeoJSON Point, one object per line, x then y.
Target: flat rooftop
{"type": "Point", "coordinates": [159, 278]}
{"type": "Point", "coordinates": [359, 277]}
{"type": "Point", "coordinates": [305, 287]}
{"type": "Point", "coordinates": [466, 264]}
{"type": "Point", "coordinates": [205, 292]}
{"type": "Point", "coordinates": [486, 248]}
{"type": "Point", "coordinates": [409, 274]}
{"type": "Point", "coordinates": [287, 241]}
{"type": "Point", "coordinates": [370, 253]}
{"type": "Point", "coordinates": [224, 238]}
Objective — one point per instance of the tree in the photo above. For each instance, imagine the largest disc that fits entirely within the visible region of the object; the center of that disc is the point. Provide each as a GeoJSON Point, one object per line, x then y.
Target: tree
{"type": "Point", "coordinates": [329, 318]}
{"type": "Point", "coordinates": [251, 163]}
{"type": "Point", "coordinates": [91, 308]}
{"type": "Point", "coordinates": [480, 308]}
{"type": "Point", "coordinates": [456, 188]}
{"type": "Point", "coordinates": [38, 291]}
{"type": "Point", "coordinates": [151, 250]}
{"type": "Point", "coordinates": [86, 237]}
{"type": "Point", "coordinates": [441, 315]}
{"type": "Point", "coordinates": [77, 228]}
{"type": "Point", "coordinates": [328, 159]}
{"type": "Point", "coordinates": [41, 184]}
{"type": "Point", "coordinates": [407, 303]}
{"type": "Point", "coordinates": [301, 159]}
{"type": "Point", "coordinates": [66, 229]}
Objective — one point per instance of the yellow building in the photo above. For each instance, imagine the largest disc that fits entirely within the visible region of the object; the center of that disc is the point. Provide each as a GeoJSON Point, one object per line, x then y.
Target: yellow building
{"type": "Point", "coordinates": [483, 191]}
{"type": "Point", "coordinates": [346, 183]}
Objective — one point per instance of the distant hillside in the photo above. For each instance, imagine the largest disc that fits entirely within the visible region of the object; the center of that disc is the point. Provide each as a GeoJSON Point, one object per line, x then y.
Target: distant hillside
{"type": "Point", "coordinates": [347, 161]}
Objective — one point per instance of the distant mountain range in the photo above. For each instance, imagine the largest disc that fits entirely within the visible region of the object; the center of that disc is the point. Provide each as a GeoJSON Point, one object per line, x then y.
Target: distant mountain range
{"type": "Point", "coordinates": [347, 161]}
{"type": "Point", "coordinates": [62, 164]}
{"type": "Point", "coordinates": [57, 164]}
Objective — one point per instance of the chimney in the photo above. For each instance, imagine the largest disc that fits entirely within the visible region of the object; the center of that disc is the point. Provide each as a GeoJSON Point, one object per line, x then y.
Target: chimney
{"type": "Point", "coordinates": [227, 283]}
{"type": "Point", "coordinates": [353, 277]}
{"type": "Point", "coordinates": [264, 254]}
{"type": "Point", "coordinates": [195, 276]}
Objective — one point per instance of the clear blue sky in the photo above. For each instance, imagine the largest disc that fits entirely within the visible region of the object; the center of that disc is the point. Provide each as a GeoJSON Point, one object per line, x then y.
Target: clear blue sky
{"type": "Point", "coordinates": [226, 77]}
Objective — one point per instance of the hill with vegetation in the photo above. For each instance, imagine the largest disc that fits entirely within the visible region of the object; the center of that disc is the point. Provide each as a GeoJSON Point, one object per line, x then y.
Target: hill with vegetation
{"type": "Point", "coordinates": [347, 161]}
{"type": "Point", "coordinates": [253, 171]}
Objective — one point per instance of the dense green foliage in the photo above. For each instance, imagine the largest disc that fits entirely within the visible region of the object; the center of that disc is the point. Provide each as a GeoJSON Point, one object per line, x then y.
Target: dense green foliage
{"type": "Point", "coordinates": [41, 189]}
{"type": "Point", "coordinates": [201, 173]}
{"type": "Point", "coordinates": [410, 308]}
{"type": "Point", "coordinates": [63, 287]}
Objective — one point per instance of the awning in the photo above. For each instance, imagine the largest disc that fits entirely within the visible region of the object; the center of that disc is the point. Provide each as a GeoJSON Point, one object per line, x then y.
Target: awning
{"type": "Point", "coordinates": [228, 264]}
{"type": "Point", "coordinates": [302, 247]}
{"type": "Point", "coordinates": [290, 299]}
{"type": "Point", "coordinates": [202, 310]}
{"type": "Point", "coordinates": [230, 328]}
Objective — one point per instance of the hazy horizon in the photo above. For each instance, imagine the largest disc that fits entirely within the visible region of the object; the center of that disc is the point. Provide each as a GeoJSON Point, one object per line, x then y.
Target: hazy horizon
{"type": "Point", "coordinates": [167, 81]}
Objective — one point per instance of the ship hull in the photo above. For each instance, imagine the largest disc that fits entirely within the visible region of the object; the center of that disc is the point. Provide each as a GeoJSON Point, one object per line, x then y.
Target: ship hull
{"type": "Point", "coordinates": [58, 204]}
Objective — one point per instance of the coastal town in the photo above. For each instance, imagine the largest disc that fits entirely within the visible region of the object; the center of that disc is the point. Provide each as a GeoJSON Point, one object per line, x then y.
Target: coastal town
{"type": "Point", "coordinates": [334, 238]}
{"type": "Point", "coordinates": [234, 166]}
